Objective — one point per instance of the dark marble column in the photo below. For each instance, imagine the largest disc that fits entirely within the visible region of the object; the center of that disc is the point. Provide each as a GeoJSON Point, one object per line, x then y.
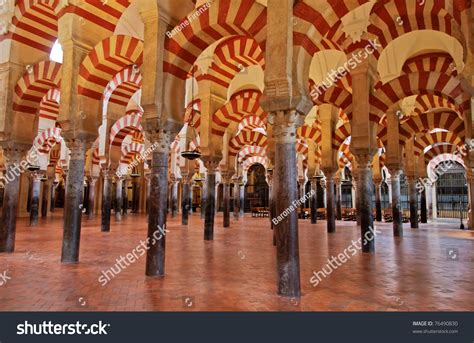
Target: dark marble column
{"type": "Point", "coordinates": [285, 174]}
{"type": "Point", "coordinates": [378, 200]}
{"type": "Point", "coordinates": [314, 200]}
{"type": "Point", "coordinates": [302, 191]}
{"type": "Point", "coordinates": [106, 200]}
{"type": "Point", "coordinates": [211, 166]}
{"type": "Point", "coordinates": [72, 207]}
{"type": "Point", "coordinates": [125, 197]}
{"type": "Point", "coordinates": [237, 199]}
{"type": "Point", "coordinates": [118, 198]}
{"type": "Point", "coordinates": [148, 182]}
{"type": "Point", "coordinates": [338, 199]}
{"type": "Point", "coordinates": [397, 215]}
{"type": "Point", "coordinates": [53, 196]}
{"type": "Point", "coordinates": [92, 188]}
{"type": "Point", "coordinates": [185, 200]}
{"type": "Point", "coordinates": [355, 182]}
{"type": "Point", "coordinates": [242, 199]}
{"type": "Point", "coordinates": [226, 200]}
{"type": "Point", "coordinates": [34, 200]}
{"type": "Point", "coordinates": [174, 198]}
{"type": "Point", "coordinates": [46, 183]}
{"type": "Point", "coordinates": [13, 156]}
{"type": "Point", "coordinates": [271, 199]}
{"type": "Point", "coordinates": [424, 210]}
{"type": "Point", "coordinates": [155, 258]}
{"type": "Point", "coordinates": [330, 202]}
{"type": "Point", "coordinates": [413, 194]}
{"type": "Point", "coordinates": [203, 199]}
{"type": "Point", "coordinates": [365, 189]}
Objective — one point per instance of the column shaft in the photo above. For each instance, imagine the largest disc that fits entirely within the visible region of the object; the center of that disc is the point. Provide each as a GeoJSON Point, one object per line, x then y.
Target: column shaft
{"type": "Point", "coordinates": [314, 201]}
{"type": "Point", "coordinates": [413, 202]}
{"type": "Point", "coordinates": [118, 199]}
{"type": "Point", "coordinates": [210, 205]}
{"type": "Point", "coordinates": [92, 187]}
{"type": "Point", "coordinates": [155, 258]}
{"type": "Point", "coordinates": [226, 204]}
{"type": "Point", "coordinates": [396, 204]}
{"type": "Point", "coordinates": [378, 202]}
{"type": "Point", "coordinates": [106, 201]}
{"type": "Point", "coordinates": [365, 188]}
{"type": "Point", "coordinates": [34, 201]}
{"type": "Point", "coordinates": [185, 202]}
{"type": "Point", "coordinates": [10, 203]}
{"type": "Point", "coordinates": [73, 204]}
{"type": "Point", "coordinates": [285, 187]}
{"type": "Point", "coordinates": [424, 210]}
{"type": "Point", "coordinates": [330, 204]}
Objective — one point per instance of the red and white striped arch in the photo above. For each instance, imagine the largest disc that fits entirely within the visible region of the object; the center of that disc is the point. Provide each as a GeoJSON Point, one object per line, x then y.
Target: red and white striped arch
{"type": "Point", "coordinates": [432, 120]}
{"type": "Point", "coordinates": [335, 96]}
{"type": "Point", "coordinates": [48, 138]}
{"type": "Point", "coordinates": [433, 164]}
{"type": "Point", "coordinates": [246, 138]}
{"type": "Point", "coordinates": [245, 104]}
{"type": "Point", "coordinates": [251, 150]}
{"type": "Point", "coordinates": [412, 84]}
{"type": "Point", "coordinates": [107, 59]}
{"type": "Point", "coordinates": [35, 24]}
{"type": "Point", "coordinates": [223, 18]}
{"type": "Point", "coordinates": [127, 125]}
{"type": "Point", "coordinates": [254, 160]}
{"type": "Point", "coordinates": [440, 149]}
{"type": "Point", "coordinates": [438, 62]}
{"type": "Point", "coordinates": [232, 56]}
{"type": "Point", "coordinates": [49, 106]}
{"type": "Point", "coordinates": [123, 86]}
{"type": "Point", "coordinates": [310, 132]}
{"type": "Point", "coordinates": [34, 85]}
{"type": "Point", "coordinates": [436, 138]}
{"type": "Point", "coordinates": [130, 151]}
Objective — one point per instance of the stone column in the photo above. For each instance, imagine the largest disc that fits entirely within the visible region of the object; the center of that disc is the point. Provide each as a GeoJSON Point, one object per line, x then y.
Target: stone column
{"type": "Point", "coordinates": [118, 198]}
{"type": "Point", "coordinates": [13, 157]}
{"type": "Point", "coordinates": [314, 200]}
{"type": "Point", "coordinates": [365, 188]}
{"type": "Point", "coordinates": [413, 193]}
{"type": "Point", "coordinates": [155, 258]}
{"type": "Point", "coordinates": [338, 199]}
{"type": "Point", "coordinates": [186, 199]}
{"type": "Point", "coordinates": [395, 175]}
{"type": "Point", "coordinates": [424, 209]}
{"type": "Point", "coordinates": [53, 196]}
{"type": "Point", "coordinates": [174, 198]}
{"type": "Point", "coordinates": [217, 198]}
{"type": "Point", "coordinates": [242, 199]}
{"type": "Point", "coordinates": [284, 178]}
{"type": "Point", "coordinates": [378, 200]}
{"type": "Point", "coordinates": [92, 188]}
{"type": "Point", "coordinates": [106, 200]}
{"type": "Point", "coordinates": [237, 199]}
{"type": "Point", "coordinates": [73, 204]}
{"type": "Point", "coordinates": [211, 166]}
{"type": "Point", "coordinates": [226, 199]}
{"type": "Point", "coordinates": [389, 185]}
{"type": "Point", "coordinates": [435, 201]}
{"type": "Point", "coordinates": [302, 192]}
{"type": "Point", "coordinates": [45, 198]}
{"type": "Point", "coordinates": [125, 196]}
{"type": "Point", "coordinates": [355, 181]}
{"type": "Point", "coordinates": [330, 201]}
{"type": "Point", "coordinates": [35, 194]}
{"type": "Point", "coordinates": [203, 199]}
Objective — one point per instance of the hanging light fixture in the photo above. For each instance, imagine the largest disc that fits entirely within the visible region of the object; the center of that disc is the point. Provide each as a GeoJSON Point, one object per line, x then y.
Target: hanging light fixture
{"type": "Point", "coordinates": [192, 154]}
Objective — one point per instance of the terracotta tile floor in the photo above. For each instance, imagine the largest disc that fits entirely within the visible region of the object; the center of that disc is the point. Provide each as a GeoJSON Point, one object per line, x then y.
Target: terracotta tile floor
{"type": "Point", "coordinates": [236, 272]}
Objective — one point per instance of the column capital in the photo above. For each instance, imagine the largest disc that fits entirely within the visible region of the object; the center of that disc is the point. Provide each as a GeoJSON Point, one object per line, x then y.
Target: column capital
{"type": "Point", "coordinates": [211, 163]}
{"type": "Point", "coordinates": [160, 138]}
{"type": "Point", "coordinates": [77, 147]}
{"type": "Point", "coordinates": [15, 152]}
{"type": "Point", "coordinates": [285, 124]}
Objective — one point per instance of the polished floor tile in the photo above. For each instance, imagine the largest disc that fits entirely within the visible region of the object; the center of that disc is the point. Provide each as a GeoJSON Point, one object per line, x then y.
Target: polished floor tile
{"type": "Point", "coordinates": [430, 269]}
